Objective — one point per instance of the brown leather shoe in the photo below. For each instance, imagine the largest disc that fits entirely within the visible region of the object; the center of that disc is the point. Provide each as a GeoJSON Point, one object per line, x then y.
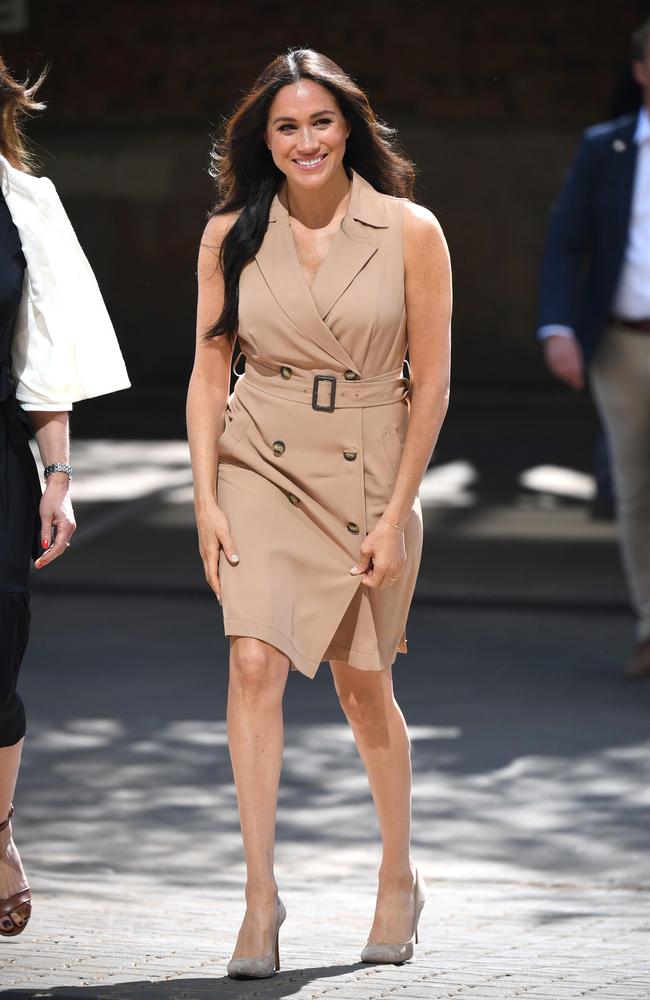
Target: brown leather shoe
{"type": "Point", "coordinates": [638, 667]}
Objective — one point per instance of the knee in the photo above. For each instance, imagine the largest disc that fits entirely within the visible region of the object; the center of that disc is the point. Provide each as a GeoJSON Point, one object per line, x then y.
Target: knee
{"type": "Point", "coordinates": [364, 705]}
{"type": "Point", "coordinates": [256, 670]}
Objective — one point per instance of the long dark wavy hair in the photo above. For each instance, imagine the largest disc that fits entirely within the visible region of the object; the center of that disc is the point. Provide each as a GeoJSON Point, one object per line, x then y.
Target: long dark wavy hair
{"type": "Point", "coordinates": [247, 178]}
{"type": "Point", "coordinates": [17, 101]}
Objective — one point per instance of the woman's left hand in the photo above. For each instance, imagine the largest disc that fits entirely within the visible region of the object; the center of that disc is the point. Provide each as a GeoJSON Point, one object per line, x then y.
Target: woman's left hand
{"type": "Point", "coordinates": [57, 517]}
{"type": "Point", "coordinates": [383, 556]}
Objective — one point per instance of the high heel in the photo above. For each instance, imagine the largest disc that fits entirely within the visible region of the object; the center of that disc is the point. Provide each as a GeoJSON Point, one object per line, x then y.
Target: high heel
{"type": "Point", "coordinates": [260, 968]}
{"type": "Point", "coordinates": [20, 902]}
{"type": "Point", "coordinates": [395, 954]}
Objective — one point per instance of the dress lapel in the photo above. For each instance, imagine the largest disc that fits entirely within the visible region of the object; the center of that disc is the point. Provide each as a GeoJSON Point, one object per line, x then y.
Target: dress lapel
{"type": "Point", "coordinates": [349, 253]}
{"type": "Point", "coordinates": [352, 248]}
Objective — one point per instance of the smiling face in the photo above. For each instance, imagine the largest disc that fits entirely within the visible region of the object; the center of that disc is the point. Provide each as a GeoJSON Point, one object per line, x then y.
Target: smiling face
{"type": "Point", "coordinates": [306, 133]}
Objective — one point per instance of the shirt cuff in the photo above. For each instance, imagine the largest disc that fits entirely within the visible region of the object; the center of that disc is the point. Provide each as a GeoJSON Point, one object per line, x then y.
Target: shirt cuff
{"type": "Point", "coordinates": [46, 407]}
{"type": "Point", "coordinates": [554, 330]}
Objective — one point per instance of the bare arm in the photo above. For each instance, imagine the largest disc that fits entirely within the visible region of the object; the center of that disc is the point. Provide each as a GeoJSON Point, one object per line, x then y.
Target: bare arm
{"type": "Point", "coordinates": [427, 278]}
{"type": "Point", "coordinates": [206, 402]}
{"type": "Point", "coordinates": [427, 275]}
{"type": "Point", "coordinates": [52, 437]}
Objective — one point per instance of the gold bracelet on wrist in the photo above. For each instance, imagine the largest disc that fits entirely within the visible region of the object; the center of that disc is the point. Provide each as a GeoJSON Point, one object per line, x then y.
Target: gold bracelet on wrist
{"type": "Point", "coordinates": [393, 524]}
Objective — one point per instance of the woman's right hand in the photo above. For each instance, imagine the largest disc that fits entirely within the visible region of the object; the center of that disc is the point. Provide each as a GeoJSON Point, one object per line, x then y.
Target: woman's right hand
{"type": "Point", "coordinates": [214, 533]}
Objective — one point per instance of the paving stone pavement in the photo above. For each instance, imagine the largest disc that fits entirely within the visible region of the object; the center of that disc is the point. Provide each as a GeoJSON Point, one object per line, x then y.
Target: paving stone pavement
{"type": "Point", "coordinates": [531, 761]}
{"type": "Point", "coordinates": [477, 940]}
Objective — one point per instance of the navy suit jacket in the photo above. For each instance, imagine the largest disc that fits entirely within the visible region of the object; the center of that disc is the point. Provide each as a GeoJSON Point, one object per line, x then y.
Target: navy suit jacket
{"type": "Point", "coordinates": [588, 232]}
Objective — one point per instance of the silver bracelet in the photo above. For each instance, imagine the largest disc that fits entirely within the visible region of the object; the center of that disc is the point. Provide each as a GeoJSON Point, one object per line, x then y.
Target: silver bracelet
{"type": "Point", "coordinates": [57, 467]}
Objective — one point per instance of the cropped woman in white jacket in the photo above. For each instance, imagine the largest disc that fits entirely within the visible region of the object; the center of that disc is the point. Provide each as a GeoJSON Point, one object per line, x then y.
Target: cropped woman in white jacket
{"type": "Point", "coordinates": [57, 346]}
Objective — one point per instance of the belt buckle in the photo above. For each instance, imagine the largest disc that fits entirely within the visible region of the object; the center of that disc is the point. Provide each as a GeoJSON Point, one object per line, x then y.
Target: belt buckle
{"type": "Point", "coordinates": [314, 396]}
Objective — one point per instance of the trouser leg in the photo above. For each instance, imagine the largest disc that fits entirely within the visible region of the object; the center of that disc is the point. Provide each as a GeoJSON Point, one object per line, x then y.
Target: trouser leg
{"type": "Point", "coordinates": [620, 379]}
{"type": "Point", "coordinates": [603, 469]}
{"type": "Point", "coordinates": [14, 633]}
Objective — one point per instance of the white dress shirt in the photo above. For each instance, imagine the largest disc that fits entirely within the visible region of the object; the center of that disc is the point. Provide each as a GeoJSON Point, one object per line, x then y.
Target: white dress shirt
{"type": "Point", "coordinates": [632, 297]}
{"type": "Point", "coordinates": [64, 347]}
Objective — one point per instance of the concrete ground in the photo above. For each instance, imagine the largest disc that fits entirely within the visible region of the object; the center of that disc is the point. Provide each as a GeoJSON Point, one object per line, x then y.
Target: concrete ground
{"type": "Point", "coordinates": [531, 761]}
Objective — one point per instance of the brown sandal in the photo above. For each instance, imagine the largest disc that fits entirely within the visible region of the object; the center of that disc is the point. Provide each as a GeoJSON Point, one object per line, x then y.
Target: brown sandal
{"type": "Point", "coordinates": [20, 903]}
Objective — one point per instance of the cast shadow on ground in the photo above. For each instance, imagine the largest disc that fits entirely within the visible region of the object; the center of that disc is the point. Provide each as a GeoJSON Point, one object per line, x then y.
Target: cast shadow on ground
{"type": "Point", "coordinates": [522, 737]}
{"type": "Point", "coordinates": [277, 987]}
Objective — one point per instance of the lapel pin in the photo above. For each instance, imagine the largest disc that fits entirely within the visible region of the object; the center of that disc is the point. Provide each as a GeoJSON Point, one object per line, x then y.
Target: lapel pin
{"type": "Point", "coordinates": [619, 146]}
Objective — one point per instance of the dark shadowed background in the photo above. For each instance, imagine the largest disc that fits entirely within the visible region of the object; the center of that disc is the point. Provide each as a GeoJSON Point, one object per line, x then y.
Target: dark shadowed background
{"type": "Point", "coordinates": [489, 100]}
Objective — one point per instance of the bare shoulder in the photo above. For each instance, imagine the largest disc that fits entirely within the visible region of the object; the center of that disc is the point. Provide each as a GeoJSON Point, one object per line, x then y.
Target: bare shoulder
{"type": "Point", "coordinates": [425, 249]}
{"type": "Point", "coordinates": [421, 227]}
{"type": "Point", "coordinates": [215, 232]}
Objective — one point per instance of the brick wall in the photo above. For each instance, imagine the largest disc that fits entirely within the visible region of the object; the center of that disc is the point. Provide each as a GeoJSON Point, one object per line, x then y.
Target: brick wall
{"type": "Point", "coordinates": [452, 60]}
{"type": "Point", "coordinates": [489, 99]}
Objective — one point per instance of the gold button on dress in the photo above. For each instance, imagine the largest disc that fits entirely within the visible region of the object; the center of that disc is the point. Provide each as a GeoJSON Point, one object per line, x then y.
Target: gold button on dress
{"type": "Point", "coordinates": [292, 586]}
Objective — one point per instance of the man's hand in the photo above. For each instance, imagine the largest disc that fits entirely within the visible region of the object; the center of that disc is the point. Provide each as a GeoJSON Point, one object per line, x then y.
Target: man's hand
{"type": "Point", "coordinates": [563, 356]}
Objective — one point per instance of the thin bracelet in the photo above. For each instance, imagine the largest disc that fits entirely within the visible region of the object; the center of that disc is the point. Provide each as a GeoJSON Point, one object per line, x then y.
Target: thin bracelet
{"type": "Point", "coordinates": [393, 524]}
{"type": "Point", "coordinates": [57, 467]}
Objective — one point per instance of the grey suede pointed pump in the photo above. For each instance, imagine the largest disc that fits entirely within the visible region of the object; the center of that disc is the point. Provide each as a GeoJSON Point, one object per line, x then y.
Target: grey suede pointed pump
{"type": "Point", "coordinates": [260, 968]}
{"type": "Point", "coordinates": [395, 954]}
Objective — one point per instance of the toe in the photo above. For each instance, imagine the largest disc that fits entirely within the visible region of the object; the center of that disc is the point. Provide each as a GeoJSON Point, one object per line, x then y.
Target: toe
{"type": "Point", "coordinates": [17, 918]}
{"type": "Point", "coordinates": [7, 923]}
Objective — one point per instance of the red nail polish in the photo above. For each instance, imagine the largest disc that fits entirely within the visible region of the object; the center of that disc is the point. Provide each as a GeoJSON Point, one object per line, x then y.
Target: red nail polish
{"type": "Point", "coordinates": [45, 543]}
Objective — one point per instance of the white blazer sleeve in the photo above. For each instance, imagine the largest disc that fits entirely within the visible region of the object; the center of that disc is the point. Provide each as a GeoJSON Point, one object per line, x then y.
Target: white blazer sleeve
{"type": "Point", "coordinates": [64, 346]}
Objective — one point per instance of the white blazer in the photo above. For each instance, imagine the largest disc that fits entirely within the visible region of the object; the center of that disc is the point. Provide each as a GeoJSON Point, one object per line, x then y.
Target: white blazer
{"type": "Point", "coordinates": [64, 347]}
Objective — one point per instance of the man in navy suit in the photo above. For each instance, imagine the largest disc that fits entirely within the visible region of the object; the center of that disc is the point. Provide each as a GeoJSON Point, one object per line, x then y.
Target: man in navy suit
{"type": "Point", "coordinates": [595, 314]}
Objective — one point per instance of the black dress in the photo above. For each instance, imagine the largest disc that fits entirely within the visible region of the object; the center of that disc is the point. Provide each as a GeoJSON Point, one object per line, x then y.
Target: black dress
{"type": "Point", "coordinates": [19, 494]}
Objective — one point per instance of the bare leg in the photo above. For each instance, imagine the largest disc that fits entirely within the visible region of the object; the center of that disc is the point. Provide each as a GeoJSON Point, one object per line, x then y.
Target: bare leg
{"type": "Point", "coordinates": [258, 675]}
{"type": "Point", "coordinates": [12, 876]}
{"type": "Point", "coordinates": [382, 740]}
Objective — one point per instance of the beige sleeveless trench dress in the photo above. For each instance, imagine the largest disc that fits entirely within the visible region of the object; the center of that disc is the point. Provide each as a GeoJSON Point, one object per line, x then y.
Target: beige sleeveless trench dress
{"type": "Point", "coordinates": [313, 437]}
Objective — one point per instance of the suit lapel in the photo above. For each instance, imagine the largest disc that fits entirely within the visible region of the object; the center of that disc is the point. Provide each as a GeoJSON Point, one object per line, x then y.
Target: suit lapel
{"type": "Point", "coordinates": [623, 159]}
{"type": "Point", "coordinates": [351, 249]}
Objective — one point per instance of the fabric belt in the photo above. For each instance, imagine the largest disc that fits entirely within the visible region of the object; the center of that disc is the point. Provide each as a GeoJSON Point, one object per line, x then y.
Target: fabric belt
{"type": "Point", "coordinates": [638, 325]}
{"type": "Point", "coordinates": [325, 392]}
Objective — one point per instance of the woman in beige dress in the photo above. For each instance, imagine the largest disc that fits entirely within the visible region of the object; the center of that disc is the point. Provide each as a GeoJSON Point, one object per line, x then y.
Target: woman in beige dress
{"type": "Point", "coordinates": [307, 476]}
